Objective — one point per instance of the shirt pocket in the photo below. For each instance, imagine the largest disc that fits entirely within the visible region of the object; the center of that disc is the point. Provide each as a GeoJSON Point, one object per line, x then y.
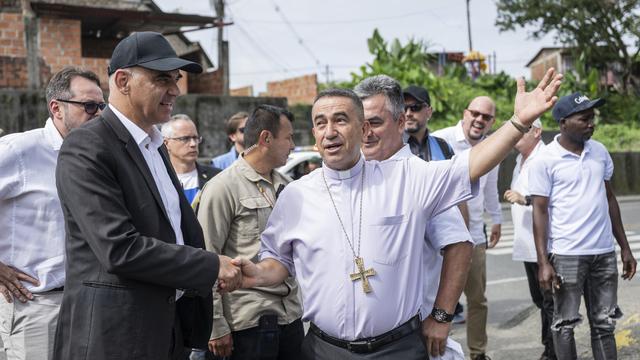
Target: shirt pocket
{"type": "Point", "coordinates": [385, 233]}
{"type": "Point", "coordinates": [255, 212]}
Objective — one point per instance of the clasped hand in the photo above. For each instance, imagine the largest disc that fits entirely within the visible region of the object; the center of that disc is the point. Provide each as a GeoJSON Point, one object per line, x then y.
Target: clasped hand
{"type": "Point", "coordinates": [236, 273]}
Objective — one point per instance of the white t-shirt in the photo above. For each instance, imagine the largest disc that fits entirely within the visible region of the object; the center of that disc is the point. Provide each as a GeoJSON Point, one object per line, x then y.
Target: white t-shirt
{"type": "Point", "coordinates": [579, 222]}
{"type": "Point", "coordinates": [189, 182]}
{"type": "Point", "coordinates": [524, 248]}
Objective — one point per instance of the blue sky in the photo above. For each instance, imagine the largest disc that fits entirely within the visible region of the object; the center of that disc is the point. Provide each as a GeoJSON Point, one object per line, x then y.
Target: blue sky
{"type": "Point", "coordinates": [263, 47]}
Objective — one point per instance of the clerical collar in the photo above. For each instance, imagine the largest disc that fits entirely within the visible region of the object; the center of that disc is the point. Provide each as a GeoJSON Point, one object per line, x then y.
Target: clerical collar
{"type": "Point", "coordinates": [344, 174]}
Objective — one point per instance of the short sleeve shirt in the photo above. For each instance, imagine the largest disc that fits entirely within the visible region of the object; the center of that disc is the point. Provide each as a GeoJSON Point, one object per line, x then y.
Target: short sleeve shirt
{"type": "Point", "coordinates": [579, 222]}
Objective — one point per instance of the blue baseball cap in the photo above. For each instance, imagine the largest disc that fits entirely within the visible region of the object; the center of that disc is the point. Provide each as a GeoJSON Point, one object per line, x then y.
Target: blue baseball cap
{"type": "Point", "coordinates": [574, 103]}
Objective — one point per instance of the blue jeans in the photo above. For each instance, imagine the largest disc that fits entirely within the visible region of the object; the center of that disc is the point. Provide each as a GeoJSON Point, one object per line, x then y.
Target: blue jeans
{"type": "Point", "coordinates": [595, 276]}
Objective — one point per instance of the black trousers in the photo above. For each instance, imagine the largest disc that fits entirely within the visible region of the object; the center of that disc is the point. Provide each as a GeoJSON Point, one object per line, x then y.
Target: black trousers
{"type": "Point", "coordinates": [544, 301]}
{"type": "Point", "coordinates": [255, 344]}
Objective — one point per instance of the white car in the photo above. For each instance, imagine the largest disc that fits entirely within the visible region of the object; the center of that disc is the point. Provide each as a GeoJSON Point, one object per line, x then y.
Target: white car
{"type": "Point", "coordinates": [297, 163]}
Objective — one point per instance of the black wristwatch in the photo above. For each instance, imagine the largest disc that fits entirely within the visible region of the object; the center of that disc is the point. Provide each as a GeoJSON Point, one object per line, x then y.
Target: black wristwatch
{"type": "Point", "coordinates": [441, 316]}
{"type": "Point", "coordinates": [527, 200]}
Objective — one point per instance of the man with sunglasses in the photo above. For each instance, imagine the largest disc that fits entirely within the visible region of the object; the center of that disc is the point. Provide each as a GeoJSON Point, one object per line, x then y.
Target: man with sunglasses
{"type": "Point", "coordinates": [182, 139]}
{"type": "Point", "coordinates": [476, 122]}
{"type": "Point", "coordinates": [235, 133]}
{"type": "Point", "coordinates": [32, 273]}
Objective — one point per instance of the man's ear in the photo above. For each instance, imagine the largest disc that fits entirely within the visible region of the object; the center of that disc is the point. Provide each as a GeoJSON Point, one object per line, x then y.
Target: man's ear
{"type": "Point", "coordinates": [55, 109]}
{"type": "Point", "coordinates": [265, 137]}
{"type": "Point", "coordinates": [123, 80]}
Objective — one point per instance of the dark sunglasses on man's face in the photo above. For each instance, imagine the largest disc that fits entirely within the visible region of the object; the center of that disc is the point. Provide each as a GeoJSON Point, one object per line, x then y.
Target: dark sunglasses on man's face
{"type": "Point", "coordinates": [415, 107]}
{"type": "Point", "coordinates": [90, 107]}
{"type": "Point", "coordinates": [475, 114]}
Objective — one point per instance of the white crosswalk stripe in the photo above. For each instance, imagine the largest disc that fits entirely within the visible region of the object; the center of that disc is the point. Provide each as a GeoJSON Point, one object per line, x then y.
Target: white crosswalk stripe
{"type": "Point", "coordinates": [505, 246]}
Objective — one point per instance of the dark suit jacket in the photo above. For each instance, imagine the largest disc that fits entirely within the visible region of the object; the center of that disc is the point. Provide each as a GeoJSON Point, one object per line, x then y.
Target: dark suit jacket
{"type": "Point", "coordinates": [205, 173]}
{"type": "Point", "coordinates": [122, 262]}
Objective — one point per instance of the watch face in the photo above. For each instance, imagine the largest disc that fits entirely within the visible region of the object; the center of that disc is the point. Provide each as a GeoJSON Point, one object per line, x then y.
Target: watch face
{"type": "Point", "coordinates": [441, 316]}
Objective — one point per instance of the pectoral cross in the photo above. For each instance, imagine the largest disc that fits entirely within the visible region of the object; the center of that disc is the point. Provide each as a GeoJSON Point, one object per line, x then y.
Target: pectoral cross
{"type": "Point", "coordinates": [362, 274]}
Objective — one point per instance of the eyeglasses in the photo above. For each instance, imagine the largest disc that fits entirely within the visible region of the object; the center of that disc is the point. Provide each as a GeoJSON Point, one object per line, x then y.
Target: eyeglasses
{"type": "Point", "coordinates": [188, 139]}
{"type": "Point", "coordinates": [475, 114]}
{"type": "Point", "coordinates": [415, 107]}
{"type": "Point", "coordinates": [241, 130]}
{"type": "Point", "coordinates": [90, 107]}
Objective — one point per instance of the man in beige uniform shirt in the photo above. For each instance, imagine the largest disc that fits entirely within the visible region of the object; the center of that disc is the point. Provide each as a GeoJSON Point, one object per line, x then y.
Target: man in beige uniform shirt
{"type": "Point", "coordinates": [258, 323]}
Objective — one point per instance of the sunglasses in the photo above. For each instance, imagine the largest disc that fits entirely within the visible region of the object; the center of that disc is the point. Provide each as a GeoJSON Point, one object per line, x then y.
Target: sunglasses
{"type": "Point", "coordinates": [475, 114]}
{"type": "Point", "coordinates": [90, 107]}
{"type": "Point", "coordinates": [415, 107]}
{"type": "Point", "coordinates": [241, 130]}
{"type": "Point", "coordinates": [188, 139]}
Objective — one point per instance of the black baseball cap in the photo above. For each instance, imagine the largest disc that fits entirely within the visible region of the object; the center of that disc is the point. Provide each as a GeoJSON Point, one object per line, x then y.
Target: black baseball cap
{"type": "Point", "coordinates": [419, 93]}
{"type": "Point", "coordinates": [149, 50]}
{"type": "Point", "coordinates": [574, 103]}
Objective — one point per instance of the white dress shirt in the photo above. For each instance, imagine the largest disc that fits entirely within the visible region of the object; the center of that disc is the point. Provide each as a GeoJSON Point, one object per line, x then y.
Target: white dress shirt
{"type": "Point", "coordinates": [579, 221]}
{"type": "Point", "coordinates": [149, 145]}
{"type": "Point", "coordinates": [524, 247]}
{"type": "Point", "coordinates": [32, 236]}
{"type": "Point", "coordinates": [487, 198]}
{"type": "Point", "coordinates": [443, 229]}
{"type": "Point", "coordinates": [400, 195]}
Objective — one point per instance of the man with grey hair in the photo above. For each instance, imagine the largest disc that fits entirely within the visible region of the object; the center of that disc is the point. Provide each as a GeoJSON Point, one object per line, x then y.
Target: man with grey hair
{"type": "Point", "coordinates": [384, 110]}
{"type": "Point", "coordinates": [349, 230]}
{"type": "Point", "coordinates": [32, 272]}
{"type": "Point", "coordinates": [524, 248]}
{"type": "Point", "coordinates": [182, 139]}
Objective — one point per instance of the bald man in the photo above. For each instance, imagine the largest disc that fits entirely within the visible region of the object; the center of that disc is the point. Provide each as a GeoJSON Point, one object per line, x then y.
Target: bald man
{"type": "Point", "coordinates": [477, 120]}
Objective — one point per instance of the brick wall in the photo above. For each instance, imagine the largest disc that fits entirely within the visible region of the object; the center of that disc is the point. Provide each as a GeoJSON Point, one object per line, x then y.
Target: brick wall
{"type": "Point", "coordinates": [206, 83]}
{"type": "Point", "coordinates": [13, 72]}
{"type": "Point", "coordinates": [12, 35]}
{"type": "Point", "coordinates": [242, 91]}
{"type": "Point", "coordinates": [299, 90]}
{"type": "Point", "coordinates": [61, 45]}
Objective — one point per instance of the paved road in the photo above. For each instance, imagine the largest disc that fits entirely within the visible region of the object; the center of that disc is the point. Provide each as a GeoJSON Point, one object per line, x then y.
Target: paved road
{"type": "Point", "coordinates": [514, 323]}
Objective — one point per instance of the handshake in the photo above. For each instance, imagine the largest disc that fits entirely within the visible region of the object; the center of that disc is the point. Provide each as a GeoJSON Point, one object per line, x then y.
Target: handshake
{"type": "Point", "coordinates": [236, 273]}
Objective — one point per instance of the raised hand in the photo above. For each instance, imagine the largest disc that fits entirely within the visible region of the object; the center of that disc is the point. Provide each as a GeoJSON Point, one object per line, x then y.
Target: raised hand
{"type": "Point", "coordinates": [229, 276]}
{"type": "Point", "coordinates": [530, 105]}
{"type": "Point", "coordinates": [11, 284]}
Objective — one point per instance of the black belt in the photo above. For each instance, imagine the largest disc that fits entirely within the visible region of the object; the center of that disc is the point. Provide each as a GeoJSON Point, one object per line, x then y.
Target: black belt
{"type": "Point", "coordinates": [369, 345]}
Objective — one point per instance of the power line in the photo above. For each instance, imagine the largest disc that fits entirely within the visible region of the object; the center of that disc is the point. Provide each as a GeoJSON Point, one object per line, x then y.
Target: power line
{"type": "Point", "coordinates": [348, 21]}
{"type": "Point", "coordinates": [256, 45]}
{"type": "Point", "coordinates": [295, 33]}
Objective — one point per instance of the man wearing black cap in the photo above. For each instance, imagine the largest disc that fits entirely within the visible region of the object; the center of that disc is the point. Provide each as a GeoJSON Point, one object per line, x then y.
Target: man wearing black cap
{"type": "Point", "coordinates": [575, 219]}
{"type": "Point", "coordinates": [135, 273]}
{"type": "Point", "coordinates": [418, 111]}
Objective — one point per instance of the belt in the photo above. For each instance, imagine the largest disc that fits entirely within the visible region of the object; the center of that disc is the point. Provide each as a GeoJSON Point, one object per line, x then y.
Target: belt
{"type": "Point", "coordinates": [369, 345]}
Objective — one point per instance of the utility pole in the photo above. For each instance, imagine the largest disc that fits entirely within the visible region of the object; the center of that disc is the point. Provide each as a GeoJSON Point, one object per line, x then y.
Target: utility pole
{"type": "Point", "coordinates": [469, 27]}
{"type": "Point", "coordinates": [223, 47]}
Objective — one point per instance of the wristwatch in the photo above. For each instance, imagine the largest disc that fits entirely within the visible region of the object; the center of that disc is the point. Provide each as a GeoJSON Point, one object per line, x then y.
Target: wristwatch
{"type": "Point", "coordinates": [441, 316]}
{"type": "Point", "coordinates": [527, 200]}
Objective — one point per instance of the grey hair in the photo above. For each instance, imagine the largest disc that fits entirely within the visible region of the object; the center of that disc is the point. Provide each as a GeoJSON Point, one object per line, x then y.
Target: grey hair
{"type": "Point", "coordinates": [383, 85]}
{"type": "Point", "coordinates": [346, 93]}
{"type": "Point", "coordinates": [167, 128]}
{"type": "Point", "coordinates": [59, 86]}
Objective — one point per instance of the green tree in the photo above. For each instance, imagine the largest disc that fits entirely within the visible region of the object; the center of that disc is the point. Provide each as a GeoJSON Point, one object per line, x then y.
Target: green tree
{"type": "Point", "coordinates": [605, 32]}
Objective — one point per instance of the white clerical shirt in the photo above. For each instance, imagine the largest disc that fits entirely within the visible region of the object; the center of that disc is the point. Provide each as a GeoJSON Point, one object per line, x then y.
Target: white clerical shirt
{"type": "Point", "coordinates": [443, 229]}
{"type": "Point", "coordinates": [400, 196]}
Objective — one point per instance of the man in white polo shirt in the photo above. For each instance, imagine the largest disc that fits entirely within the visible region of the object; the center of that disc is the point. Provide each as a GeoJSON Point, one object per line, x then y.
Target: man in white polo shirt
{"type": "Point", "coordinates": [575, 218]}
{"type": "Point", "coordinates": [524, 248]}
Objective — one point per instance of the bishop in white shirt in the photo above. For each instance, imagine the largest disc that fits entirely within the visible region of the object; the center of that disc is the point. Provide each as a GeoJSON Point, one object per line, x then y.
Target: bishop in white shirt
{"type": "Point", "coordinates": [336, 229]}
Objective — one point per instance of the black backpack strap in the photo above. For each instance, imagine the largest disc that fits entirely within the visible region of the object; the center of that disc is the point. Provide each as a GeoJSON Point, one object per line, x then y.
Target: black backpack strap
{"type": "Point", "coordinates": [444, 146]}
